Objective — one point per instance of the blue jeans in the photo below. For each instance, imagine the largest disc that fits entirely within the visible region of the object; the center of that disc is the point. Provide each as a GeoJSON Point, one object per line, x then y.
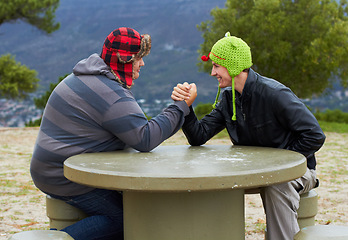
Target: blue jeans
{"type": "Point", "coordinates": [105, 211]}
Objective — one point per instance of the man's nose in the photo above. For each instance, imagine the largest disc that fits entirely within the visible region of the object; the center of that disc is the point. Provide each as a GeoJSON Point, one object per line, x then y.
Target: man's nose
{"type": "Point", "coordinates": [213, 72]}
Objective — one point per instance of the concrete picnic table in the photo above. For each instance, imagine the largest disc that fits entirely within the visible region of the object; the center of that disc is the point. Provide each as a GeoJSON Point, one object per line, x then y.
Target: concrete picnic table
{"type": "Point", "coordinates": [184, 192]}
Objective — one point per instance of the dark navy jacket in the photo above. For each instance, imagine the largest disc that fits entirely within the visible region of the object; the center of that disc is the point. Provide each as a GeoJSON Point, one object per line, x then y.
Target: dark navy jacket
{"type": "Point", "coordinates": [268, 114]}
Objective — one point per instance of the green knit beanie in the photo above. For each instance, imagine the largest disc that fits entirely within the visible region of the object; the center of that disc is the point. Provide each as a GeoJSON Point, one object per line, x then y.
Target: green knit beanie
{"type": "Point", "coordinates": [234, 54]}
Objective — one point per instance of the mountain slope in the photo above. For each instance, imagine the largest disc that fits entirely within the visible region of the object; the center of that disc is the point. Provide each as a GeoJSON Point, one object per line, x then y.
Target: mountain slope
{"type": "Point", "coordinates": [86, 23]}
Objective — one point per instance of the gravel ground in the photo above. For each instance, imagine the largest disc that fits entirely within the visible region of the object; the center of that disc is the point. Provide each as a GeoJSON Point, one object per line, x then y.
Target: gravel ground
{"type": "Point", "coordinates": [22, 206]}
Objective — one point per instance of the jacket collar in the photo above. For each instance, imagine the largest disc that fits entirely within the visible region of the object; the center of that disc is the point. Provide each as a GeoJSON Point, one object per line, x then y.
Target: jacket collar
{"type": "Point", "coordinates": [251, 79]}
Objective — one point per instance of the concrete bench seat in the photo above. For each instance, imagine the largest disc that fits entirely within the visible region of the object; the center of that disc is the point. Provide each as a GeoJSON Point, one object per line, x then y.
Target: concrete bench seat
{"type": "Point", "coordinates": [41, 235]}
{"type": "Point", "coordinates": [308, 209]}
{"type": "Point", "coordinates": [62, 214]}
{"type": "Point", "coordinates": [323, 232]}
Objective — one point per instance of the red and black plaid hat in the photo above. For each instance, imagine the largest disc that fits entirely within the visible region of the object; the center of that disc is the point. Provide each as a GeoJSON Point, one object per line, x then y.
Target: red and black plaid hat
{"type": "Point", "coordinates": [121, 48]}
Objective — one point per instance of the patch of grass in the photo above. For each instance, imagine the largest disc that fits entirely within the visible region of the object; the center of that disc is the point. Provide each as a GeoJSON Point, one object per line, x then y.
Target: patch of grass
{"type": "Point", "coordinates": [13, 217]}
{"type": "Point", "coordinates": [259, 226]}
{"type": "Point", "coordinates": [36, 199]}
{"type": "Point", "coordinates": [18, 213]}
{"type": "Point", "coordinates": [334, 127]}
{"type": "Point", "coordinates": [8, 183]}
{"type": "Point", "coordinates": [222, 134]}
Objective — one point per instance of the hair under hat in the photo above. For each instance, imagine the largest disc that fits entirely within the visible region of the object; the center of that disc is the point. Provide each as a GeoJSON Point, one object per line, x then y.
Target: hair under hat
{"type": "Point", "coordinates": [235, 55]}
{"type": "Point", "coordinates": [121, 47]}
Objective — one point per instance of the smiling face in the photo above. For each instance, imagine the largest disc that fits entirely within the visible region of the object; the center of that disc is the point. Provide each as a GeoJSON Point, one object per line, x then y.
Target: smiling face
{"type": "Point", "coordinates": [138, 63]}
{"type": "Point", "coordinates": [222, 75]}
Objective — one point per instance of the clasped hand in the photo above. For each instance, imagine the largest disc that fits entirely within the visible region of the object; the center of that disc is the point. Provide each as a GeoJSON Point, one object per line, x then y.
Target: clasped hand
{"type": "Point", "coordinates": [185, 92]}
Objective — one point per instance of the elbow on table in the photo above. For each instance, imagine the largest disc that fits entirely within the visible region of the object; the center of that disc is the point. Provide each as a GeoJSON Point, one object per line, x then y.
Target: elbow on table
{"type": "Point", "coordinates": [144, 148]}
{"type": "Point", "coordinates": [323, 138]}
{"type": "Point", "coordinates": [195, 142]}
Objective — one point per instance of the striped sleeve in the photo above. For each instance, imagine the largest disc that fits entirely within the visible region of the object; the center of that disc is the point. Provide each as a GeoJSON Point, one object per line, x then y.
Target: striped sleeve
{"type": "Point", "coordinates": [126, 120]}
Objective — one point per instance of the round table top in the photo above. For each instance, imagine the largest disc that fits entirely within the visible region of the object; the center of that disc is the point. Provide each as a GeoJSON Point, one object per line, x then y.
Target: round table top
{"type": "Point", "coordinates": [186, 168]}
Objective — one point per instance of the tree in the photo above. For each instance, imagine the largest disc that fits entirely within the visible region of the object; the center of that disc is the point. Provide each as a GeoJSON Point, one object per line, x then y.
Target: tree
{"type": "Point", "coordinates": [203, 109]}
{"type": "Point", "coordinates": [301, 43]}
{"type": "Point", "coordinates": [17, 80]}
{"type": "Point", "coordinates": [39, 13]}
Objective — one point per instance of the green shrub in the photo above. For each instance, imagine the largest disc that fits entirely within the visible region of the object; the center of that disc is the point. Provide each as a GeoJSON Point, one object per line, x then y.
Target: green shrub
{"type": "Point", "coordinates": [203, 109]}
{"type": "Point", "coordinates": [334, 127]}
{"type": "Point", "coordinates": [335, 115]}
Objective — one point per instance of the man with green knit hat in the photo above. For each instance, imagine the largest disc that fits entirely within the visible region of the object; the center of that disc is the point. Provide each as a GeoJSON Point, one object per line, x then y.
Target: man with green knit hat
{"type": "Point", "coordinates": [233, 54]}
{"type": "Point", "coordinates": [257, 111]}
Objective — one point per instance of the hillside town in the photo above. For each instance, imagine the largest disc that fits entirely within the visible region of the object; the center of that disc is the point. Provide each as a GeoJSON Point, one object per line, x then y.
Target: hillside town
{"type": "Point", "coordinates": [17, 113]}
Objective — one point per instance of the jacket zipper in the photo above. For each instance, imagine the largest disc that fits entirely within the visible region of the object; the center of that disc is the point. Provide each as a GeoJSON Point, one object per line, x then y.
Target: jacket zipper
{"type": "Point", "coordinates": [241, 108]}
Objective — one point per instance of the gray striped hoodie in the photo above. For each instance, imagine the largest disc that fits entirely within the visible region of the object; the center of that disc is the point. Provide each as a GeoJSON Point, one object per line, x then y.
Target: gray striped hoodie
{"type": "Point", "coordinates": [91, 112]}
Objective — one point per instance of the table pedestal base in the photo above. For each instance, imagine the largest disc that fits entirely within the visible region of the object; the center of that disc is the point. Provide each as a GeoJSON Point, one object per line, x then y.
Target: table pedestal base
{"type": "Point", "coordinates": [184, 215]}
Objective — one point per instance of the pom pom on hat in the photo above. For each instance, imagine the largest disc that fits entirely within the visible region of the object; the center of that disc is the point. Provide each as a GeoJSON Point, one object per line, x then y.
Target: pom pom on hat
{"type": "Point", "coordinates": [205, 58]}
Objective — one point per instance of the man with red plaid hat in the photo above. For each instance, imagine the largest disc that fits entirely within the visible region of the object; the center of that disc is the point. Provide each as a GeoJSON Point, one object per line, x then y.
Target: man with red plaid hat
{"type": "Point", "coordinates": [93, 110]}
{"type": "Point", "coordinates": [123, 49]}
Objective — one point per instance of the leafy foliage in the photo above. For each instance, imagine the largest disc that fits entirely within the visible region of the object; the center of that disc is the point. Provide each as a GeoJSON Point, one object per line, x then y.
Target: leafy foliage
{"type": "Point", "coordinates": [16, 80]}
{"type": "Point", "coordinates": [336, 116]}
{"type": "Point", "coordinates": [203, 109]}
{"type": "Point", "coordinates": [302, 43]}
{"type": "Point", "coordinates": [38, 13]}
{"type": "Point", "coordinates": [333, 127]}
